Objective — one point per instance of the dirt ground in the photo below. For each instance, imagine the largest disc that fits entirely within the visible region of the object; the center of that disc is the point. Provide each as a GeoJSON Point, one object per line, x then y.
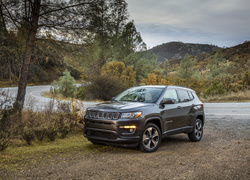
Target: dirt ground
{"type": "Point", "coordinates": [223, 153]}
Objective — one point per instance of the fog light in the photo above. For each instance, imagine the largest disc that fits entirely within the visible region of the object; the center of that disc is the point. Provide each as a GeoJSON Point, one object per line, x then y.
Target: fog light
{"type": "Point", "coordinates": [128, 127]}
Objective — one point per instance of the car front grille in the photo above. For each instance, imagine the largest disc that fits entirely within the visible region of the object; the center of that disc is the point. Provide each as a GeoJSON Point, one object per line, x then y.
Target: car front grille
{"type": "Point", "coordinates": [103, 115]}
{"type": "Point", "coordinates": [100, 134]}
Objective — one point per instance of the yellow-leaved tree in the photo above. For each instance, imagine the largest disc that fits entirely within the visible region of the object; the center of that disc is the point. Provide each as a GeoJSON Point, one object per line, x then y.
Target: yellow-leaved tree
{"type": "Point", "coordinates": [117, 70]}
{"type": "Point", "coordinates": [154, 79]}
{"type": "Point", "coordinates": [129, 77]}
{"type": "Point", "coordinates": [114, 68]}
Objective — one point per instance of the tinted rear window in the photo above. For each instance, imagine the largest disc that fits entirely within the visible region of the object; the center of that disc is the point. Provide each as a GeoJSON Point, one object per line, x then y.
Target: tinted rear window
{"type": "Point", "coordinates": [183, 95]}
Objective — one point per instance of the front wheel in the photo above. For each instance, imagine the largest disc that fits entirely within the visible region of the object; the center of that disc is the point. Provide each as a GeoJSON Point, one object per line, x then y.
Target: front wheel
{"type": "Point", "coordinates": [197, 131]}
{"type": "Point", "coordinates": [151, 138]}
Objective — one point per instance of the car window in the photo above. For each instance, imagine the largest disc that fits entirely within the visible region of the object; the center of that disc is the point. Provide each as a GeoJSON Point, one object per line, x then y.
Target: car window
{"type": "Point", "coordinates": [190, 95]}
{"type": "Point", "coordinates": [183, 95]}
{"type": "Point", "coordinates": [171, 93]}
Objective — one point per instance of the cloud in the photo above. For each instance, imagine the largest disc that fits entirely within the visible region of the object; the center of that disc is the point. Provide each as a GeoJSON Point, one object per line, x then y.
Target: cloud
{"type": "Point", "coordinates": [224, 22]}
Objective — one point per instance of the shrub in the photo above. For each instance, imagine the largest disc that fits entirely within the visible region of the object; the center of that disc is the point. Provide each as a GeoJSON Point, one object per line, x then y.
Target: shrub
{"type": "Point", "coordinates": [64, 130]}
{"type": "Point", "coordinates": [81, 94]}
{"type": "Point", "coordinates": [216, 88]}
{"type": "Point", "coordinates": [28, 135]}
{"type": "Point", "coordinates": [4, 140]}
{"type": "Point", "coordinates": [40, 132]}
{"type": "Point", "coordinates": [74, 72]}
{"type": "Point", "coordinates": [52, 132]}
{"type": "Point", "coordinates": [104, 87]}
{"type": "Point", "coordinates": [65, 85]}
{"type": "Point", "coordinates": [63, 127]}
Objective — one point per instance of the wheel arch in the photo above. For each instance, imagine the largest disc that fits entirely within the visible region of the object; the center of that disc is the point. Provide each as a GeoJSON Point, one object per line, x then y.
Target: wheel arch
{"type": "Point", "coordinates": [155, 120]}
{"type": "Point", "coordinates": [201, 117]}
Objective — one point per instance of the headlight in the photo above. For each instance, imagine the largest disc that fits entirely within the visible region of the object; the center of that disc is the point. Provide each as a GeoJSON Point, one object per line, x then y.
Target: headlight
{"type": "Point", "coordinates": [131, 115]}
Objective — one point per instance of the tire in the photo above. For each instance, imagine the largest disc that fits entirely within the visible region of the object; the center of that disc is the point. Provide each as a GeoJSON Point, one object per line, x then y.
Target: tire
{"type": "Point", "coordinates": [197, 131]}
{"type": "Point", "coordinates": [151, 138]}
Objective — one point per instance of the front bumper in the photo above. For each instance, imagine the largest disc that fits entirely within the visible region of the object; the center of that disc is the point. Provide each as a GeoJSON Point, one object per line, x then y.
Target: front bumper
{"type": "Point", "coordinates": [109, 132]}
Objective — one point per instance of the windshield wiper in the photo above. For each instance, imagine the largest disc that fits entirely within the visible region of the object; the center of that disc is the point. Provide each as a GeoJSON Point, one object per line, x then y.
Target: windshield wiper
{"type": "Point", "coordinates": [129, 100]}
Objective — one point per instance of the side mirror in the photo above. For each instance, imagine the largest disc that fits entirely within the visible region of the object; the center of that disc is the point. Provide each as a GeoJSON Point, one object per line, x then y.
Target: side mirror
{"type": "Point", "coordinates": [168, 101]}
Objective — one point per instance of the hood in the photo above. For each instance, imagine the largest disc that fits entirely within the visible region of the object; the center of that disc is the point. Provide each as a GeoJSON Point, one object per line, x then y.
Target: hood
{"type": "Point", "coordinates": [120, 105]}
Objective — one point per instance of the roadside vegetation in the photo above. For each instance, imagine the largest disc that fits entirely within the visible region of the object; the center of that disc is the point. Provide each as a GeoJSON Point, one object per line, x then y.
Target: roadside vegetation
{"type": "Point", "coordinates": [55, 122]}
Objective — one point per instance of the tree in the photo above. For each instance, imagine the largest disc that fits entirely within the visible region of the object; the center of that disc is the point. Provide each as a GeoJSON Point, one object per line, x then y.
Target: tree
{"type": "Point", "coordinates": [167, 67]}
{"type": "Point", "coordinates": [108, 19]}
{"type": "Point", "coordinates": [186, 67]}
{"type": "Point", "coordinates": [66, 84]}
{"type": "Point", "coordinates": [129, 77]}
{"type": "Point", "coordinates": [114, 69]}
{"type": "Point", "coordinates": [34, 17]}
{"type": "Point", "coordinates": [246, 79]}
{"type": "Point", "coordinates": [143, 63]}
{"type": "Point", "coordinates": [217, 65]}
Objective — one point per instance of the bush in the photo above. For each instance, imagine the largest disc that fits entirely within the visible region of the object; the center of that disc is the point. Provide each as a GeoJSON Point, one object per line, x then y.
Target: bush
{"type": "Point", "coordinates": [81, 94]}
{"type": "Point", "coordinates": [52, 132]}
{"type": "Point", "coordinates": [63, 127]}
{"type": "Point", "coordinates": [40, 132]}
{"type": "Point", "coordinates": [104, 87]}
{"type": "Point", "coordinates": [64, 130]}
{"type": "Point", "coordinates": [66, 84]}
{"type": "Point", "coordinates": [28, 135]}
{"type": "Point", "coordinates": [216, 88]}
{"type": "Point", "coordinates": [4, 140]}
{"type": "Point", "coordinates": [74, 72]}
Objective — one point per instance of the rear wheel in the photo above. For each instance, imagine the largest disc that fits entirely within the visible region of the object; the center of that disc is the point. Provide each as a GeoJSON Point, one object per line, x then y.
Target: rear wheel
{"type": "Point", "coordinates": [197, 132]}
{"type": "Point", "coordinates": [151, 138]}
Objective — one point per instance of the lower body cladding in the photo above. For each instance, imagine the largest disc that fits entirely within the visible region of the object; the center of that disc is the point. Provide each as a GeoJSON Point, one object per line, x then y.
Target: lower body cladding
{"type": "Point", "coordinates": [120, 132]}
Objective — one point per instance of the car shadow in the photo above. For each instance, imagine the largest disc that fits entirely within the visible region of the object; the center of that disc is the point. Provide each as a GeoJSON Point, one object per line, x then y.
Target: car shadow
{"type": "Point", "coordinates": [169, 142]}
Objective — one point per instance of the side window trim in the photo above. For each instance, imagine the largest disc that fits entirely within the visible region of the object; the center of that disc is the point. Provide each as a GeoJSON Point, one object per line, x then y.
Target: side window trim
{"type": "Point", "coordinates": [191, 96]}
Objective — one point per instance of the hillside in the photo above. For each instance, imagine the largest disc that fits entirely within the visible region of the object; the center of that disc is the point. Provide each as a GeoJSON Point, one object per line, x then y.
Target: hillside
{"type": "Point", "coordinates": [176, 50]}
{"type": "Point", "coordinates": [238, 56]}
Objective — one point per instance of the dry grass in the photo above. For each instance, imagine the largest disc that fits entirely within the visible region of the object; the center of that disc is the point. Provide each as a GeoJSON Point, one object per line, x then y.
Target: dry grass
{"type": "Point", "coordinates": [56, 96]}
{"type": "Point", "coordinates": [62, 97]}
{"type": "Point", "coordinates": [242, 96]}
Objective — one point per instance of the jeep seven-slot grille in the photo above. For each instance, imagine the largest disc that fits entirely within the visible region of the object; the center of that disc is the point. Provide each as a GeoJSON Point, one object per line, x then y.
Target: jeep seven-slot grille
{"type": "Point", "coordinates": [102, 115]}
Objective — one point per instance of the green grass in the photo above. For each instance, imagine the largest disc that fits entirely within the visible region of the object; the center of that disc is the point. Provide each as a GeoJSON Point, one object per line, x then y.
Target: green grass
{"type": "Point", "coordinates": [19, 155]}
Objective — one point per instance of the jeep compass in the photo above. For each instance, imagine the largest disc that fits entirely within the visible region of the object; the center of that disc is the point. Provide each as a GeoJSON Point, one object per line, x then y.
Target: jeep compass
{"type": "Point", "coordinates": [143, 115]}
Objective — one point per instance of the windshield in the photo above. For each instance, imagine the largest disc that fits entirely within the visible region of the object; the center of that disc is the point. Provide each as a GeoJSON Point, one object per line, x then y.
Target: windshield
{"type": "Point", "coordinates": [140, 94]}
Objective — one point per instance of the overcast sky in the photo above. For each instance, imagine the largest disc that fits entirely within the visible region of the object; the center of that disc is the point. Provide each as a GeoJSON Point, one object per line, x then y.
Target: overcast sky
{"type": "Point", "coordinates": [217, 22]}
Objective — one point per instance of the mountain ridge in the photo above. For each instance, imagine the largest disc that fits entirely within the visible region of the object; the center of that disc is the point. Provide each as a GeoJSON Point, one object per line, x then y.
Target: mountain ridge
{"type": "Point", "coordinates": [177, 50]}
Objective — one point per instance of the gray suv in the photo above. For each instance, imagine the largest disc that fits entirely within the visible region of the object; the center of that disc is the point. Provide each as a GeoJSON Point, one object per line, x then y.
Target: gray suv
{"type": "Point", "coordinates": [143, 115]}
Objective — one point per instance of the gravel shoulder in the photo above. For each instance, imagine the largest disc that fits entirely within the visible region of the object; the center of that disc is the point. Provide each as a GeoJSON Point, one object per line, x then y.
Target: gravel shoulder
{"type": "Point", "coordinates": [223, 153]}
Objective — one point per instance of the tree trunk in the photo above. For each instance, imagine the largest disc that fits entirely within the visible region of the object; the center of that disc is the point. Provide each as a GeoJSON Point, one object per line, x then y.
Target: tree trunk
{"type": "Point", "coordinates": [27, 56]}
